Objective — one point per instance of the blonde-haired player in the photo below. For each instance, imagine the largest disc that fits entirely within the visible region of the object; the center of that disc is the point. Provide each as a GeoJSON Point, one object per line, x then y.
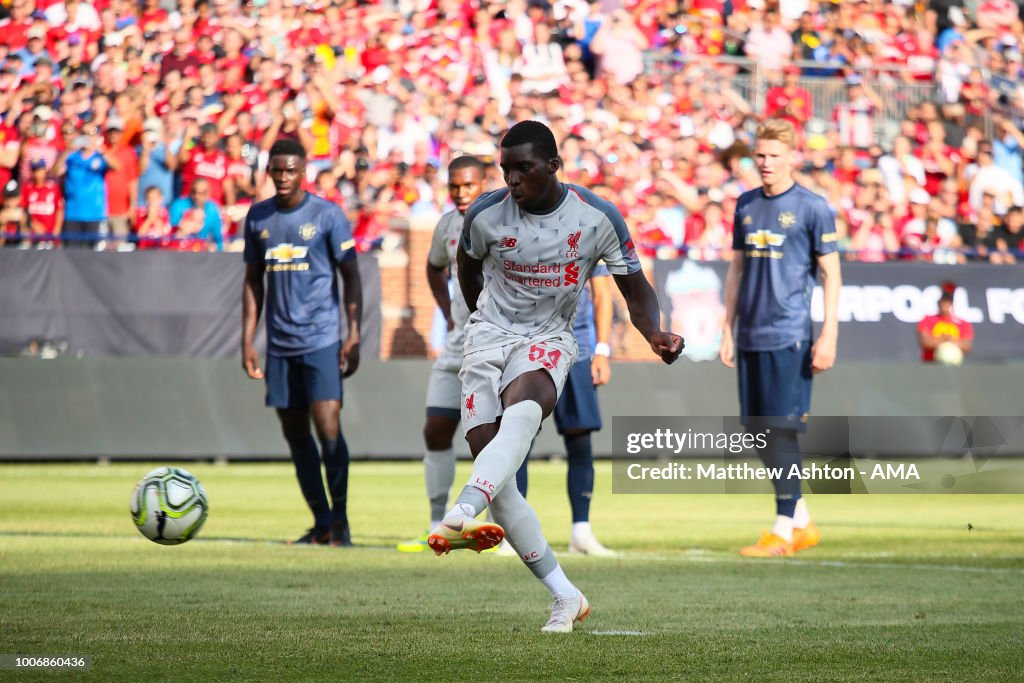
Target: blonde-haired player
{"type": "Point", "coordinates": [784, 235]}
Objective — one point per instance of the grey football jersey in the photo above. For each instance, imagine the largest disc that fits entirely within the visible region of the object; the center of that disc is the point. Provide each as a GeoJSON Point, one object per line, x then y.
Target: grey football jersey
{"type": "Point", "coordinates": [536, 265]}
{"type": "Point", "coordinates": [443, 249]}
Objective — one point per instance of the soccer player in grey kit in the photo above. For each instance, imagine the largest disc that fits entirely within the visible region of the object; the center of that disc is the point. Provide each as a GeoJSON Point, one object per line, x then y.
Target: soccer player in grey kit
{"type": "Point", "coordinates": [295, 241]}
{"type": "Point", "coordinates": [525, 255]}
{"type": "Point", "coordinates": [783, 236]}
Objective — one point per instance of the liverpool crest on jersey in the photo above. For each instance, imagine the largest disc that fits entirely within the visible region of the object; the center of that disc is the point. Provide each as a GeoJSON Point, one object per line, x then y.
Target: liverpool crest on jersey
{"type": "Point", "coordinates": [573, 252]}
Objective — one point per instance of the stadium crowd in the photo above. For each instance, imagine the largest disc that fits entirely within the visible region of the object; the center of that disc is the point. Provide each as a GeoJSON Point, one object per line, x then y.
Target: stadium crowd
{"type": "Point", "coordinates": [146, 125]}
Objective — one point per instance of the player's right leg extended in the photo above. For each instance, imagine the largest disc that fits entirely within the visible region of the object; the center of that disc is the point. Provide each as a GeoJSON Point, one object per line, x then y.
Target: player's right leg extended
{"type": "Point", "coordinates": [495, 466]}
{"type": "Point", "coordinates": [499, 448]}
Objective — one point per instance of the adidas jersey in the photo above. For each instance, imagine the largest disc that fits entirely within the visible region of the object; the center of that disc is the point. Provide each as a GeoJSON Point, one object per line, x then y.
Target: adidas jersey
{"type": "Point", "coordinates": [301, 249]}
{"type": "Point", "coordinates": [443, 249]}
{"type": "Point", "coordinates": [537, 265]}
{"type": "Point", "coordinates": [781, 237]}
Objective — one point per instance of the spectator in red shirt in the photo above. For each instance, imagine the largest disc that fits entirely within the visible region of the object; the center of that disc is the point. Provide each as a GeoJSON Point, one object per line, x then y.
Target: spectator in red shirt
{"type": "Point", "coordinates": [239, 185]}
{"type": "Point", "coordinates": [182, 56]}
{"type": "Point", "coordinates": [938, 158]}
{"type": "Point", "coordinates": [789, 100]}
{"type": "Point", "coordinates": [153, 15]}
{"type": "Point", "coordinates": [14, 28]}
{"type": "Point", "coordinates": [204, 160]}
{"type": "Point", "coordinates": [44, 203]}
{"type": "Point", "coordinates": [37, 142]}
{"type": "Point", "coordinates": [10, 150]}
{"type": "Point", "coordinates": [934, 330]}
{"type": "Point", "coordinates": [122, 184]}
{"type": "Point", "coordinates": [153, 220]}
{"type": "Point", "coordinates": [847, 170]}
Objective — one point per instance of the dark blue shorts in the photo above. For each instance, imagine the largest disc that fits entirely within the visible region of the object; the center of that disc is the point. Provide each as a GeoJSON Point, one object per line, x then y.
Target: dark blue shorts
{"type": "Point", "coordinates": [296, 381]}
{"type": "Point", "coordinates": [776, 385]}
{"type": "Point", "coordinates": [577, 407]}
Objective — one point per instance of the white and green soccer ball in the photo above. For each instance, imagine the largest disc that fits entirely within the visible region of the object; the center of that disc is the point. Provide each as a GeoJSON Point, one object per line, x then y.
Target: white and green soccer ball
{"type": "Point", "coordinates": [169, 506]}
{"type": "Point", "coordinates": [948, 353]}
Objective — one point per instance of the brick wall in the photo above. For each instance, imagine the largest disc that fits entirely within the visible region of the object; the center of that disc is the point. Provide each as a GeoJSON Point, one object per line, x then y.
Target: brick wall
{"type": "Point", "coordinates": [407, 307]}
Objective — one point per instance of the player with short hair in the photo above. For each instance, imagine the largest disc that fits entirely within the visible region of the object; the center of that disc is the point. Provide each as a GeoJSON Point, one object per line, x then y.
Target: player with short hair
{"type": "Point", "coordinates": [784, 235]}
{"type": "Point", "coordinates": [467, 176]}
{"type": "Point", "coordinates": [526, 252]}
{"type": "Point", "coordinates": [295, 241]}
{"type": "Point", "coordinates": [578, 413]}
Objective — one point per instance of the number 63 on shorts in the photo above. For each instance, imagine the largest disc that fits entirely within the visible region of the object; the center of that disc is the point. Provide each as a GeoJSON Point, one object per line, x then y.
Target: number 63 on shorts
{"type": "Point", "coordinates": [486, 373]}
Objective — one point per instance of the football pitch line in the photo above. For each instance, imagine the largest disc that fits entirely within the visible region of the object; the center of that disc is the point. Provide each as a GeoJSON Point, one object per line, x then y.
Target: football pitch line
{"type": "Point", "coordinates": [699, 558]}
{"type": "Point", "coordinates": [691, 556]}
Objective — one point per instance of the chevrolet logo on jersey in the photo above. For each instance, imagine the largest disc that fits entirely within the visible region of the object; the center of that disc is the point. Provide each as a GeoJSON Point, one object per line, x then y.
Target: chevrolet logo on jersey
{"type": "Point", "coordinates": [764, 238]}
{"type": "Point", "coordinates": [286, 253]}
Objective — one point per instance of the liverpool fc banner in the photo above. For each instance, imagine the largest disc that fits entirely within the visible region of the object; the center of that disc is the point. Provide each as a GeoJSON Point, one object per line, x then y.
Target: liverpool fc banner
{"type": "Point", "coordinates": [880, 307]}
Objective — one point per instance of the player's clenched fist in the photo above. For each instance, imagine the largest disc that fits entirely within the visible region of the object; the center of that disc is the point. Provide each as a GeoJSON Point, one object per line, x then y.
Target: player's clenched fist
{"type": "Point", "coordinates": [667, 345]}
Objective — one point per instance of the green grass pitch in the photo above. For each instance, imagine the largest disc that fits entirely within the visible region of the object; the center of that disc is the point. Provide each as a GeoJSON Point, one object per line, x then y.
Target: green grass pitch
{"type": "Point", "coordinates": [899, 590]}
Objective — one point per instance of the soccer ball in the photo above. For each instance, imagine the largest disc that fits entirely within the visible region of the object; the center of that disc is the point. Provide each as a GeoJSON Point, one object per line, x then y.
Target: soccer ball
{"type": "Point", "coordinates": [169, 506]}
{"type": "Point", "coordinates": [948, 353]}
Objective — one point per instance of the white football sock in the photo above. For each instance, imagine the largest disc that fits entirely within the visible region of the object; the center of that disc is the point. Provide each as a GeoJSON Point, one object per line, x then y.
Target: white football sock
{"type": "Point", "coordinates": [559, 584]}
{"type": "Point", "coordinates": [497, 463]}
{"type": "Point", "coordinates": [801, 518]}
{"type": "Point", "coordinates": [783, 527]}
{"type": "Point", "coordinates": [581, 531]}
{"type": "Point", "coordinates": [460, 509]}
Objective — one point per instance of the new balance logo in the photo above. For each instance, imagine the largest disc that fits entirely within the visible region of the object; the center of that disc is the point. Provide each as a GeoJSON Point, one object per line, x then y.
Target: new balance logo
{"type": "Point", "coordinates": [507, 243]}
{"type": "Point", "coordinates": [572, 275]}
{"type": "Point", "coordinates": [470, 407]}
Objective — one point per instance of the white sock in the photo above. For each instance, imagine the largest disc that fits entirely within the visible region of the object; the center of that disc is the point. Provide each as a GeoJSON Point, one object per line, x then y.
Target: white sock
{"type": "Point", "coordinates": [460, 509]}
{"type": "Point", "coordinates": [783, 528]}
{"type": "Point", "coordinates": [497, 463]}
{"type": "Point", "coordinates": [801, 518]}
{"type": "Point", "coordinates": [581, 531]}
{"type": "Point", "coordinates": [559, 584]}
